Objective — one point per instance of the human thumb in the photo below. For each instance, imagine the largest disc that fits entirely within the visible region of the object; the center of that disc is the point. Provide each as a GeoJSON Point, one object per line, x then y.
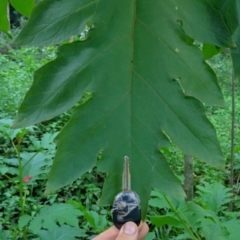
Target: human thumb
{"type": "Point", "coordinates": [129, 231]}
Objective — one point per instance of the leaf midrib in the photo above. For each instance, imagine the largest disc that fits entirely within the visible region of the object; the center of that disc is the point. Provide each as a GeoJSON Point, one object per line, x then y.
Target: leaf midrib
{"type": "Point", "coordinates": [132, 66]}
{"type": "Point", "coordinates": [172, 110]}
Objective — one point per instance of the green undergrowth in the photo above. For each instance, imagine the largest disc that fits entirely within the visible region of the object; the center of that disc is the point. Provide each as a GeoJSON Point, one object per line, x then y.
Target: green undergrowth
{"type": "Point", "coordinates": [16, 73]}
{"type": "Point", "coordinates": [36, 150]}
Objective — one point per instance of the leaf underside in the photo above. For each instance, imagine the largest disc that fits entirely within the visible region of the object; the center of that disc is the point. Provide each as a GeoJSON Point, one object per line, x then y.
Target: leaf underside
{"type": "Point", "coordinates": [145, 79]}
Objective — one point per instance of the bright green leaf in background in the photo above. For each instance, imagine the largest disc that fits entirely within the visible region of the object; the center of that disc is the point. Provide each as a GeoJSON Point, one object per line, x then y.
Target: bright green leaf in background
{"type": "Point", "coordinates": [215, 196]}
{"type": "Point", "coordinates": [23, 6]}
{"type": "Point", "coordinates": [164, 220]}
{"type": "Point", "coordinates": [49, 216]}
{"type": "Point", "coordinates": [4, 24]}
{"type": "Point", "coordinates": [145, 78]}
{"type": "Point", "coordinates": [96, 221]}
{"type": "Point", "coordinates": [24, 220]}
{"type": "Point", "coordinates": [61, 233]}
{"type": "Point", "coordinates": [210, 50]}
{"type": "Point", "coordinates": [4, 235]}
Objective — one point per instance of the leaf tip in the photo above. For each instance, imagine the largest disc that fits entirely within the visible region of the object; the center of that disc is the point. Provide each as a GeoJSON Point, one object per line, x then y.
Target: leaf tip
{"type": "Point", "coordinates": [17, 124]}
{"type": "Point", "coordinates": [46, 192]}
{"type": "Point", "coordinates": [221, 166]}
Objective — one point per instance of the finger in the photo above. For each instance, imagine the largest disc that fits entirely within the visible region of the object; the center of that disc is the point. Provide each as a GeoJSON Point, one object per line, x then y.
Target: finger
{"type": "Point", "coordinates": [129, 231]}
{"type": "Point", "coordinates": [141, 226]}
{"type": "Point", "coordinates": [112, 232]}
{"type": "Point", "coordinates": [143, 230]}
{"type": "Point", "coordinates": [109, 234]}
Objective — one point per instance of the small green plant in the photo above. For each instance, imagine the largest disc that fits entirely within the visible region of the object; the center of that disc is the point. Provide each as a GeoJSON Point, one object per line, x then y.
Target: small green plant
{"type": "Point", "coordinates": [26, 213]}
{"type": "Point", "coordinates": [22, 171]}
{"type": "Point", "coordinates": [205, 217]}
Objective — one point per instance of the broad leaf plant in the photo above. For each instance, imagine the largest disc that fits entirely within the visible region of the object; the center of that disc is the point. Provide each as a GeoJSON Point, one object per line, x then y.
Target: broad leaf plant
{"type": "Point", "coordinates": [142, 65]}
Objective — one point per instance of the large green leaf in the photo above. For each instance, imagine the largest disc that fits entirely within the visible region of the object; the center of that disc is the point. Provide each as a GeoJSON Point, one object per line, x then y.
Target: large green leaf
{"type": "Point", "coordinates": [207, 25]}
{"type": "Point", "coordinates": [142, 73]}
{"type": "Point", "coordinates": [230, 9]}
{"type": "Point", "coordinates": [235, 53]}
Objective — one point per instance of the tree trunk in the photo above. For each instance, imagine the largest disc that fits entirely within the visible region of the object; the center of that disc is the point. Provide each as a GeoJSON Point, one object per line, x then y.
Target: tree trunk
{"type": "Point", "coordinates": [232, 139]}
{"type": "Point", "coordinates": [188, 177]}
